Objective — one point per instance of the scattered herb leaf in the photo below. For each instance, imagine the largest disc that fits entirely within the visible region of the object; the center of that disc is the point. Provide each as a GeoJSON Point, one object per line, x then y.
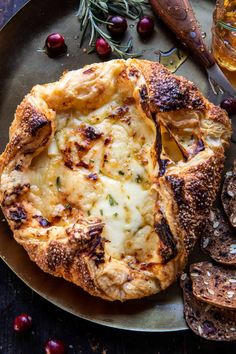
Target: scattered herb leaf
{"type": "Point", "coordinates": [58, 183]}
{"type": "Point", "coordinates": [101, 212]}
{"type": "Point", "coordinates": [111, 200]}
{"type": "Point", "coordinates": [139, 179]}
{"type": "Point", "coordinates": [121, 173]}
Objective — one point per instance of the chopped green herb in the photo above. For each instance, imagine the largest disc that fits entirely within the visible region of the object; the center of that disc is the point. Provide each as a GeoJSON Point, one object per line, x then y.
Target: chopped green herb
{"type": "Point", "coordinates": [115, 214]}
{"type": "Point", "coordinates": [121, 173]}
{"type": "Point", "coordinates": [91, 161]}
{"type": "Point", "coordinates": [88, 212]}
{"type": "Point", "coordinates": [111, 200]}
{"type": "Point", "coordinates": [58, 183]}
{"type": "Point", "coordinates": [101, 212]}
{"type": "Point", "coordinates": [128, 196]}
{"type": "Point", "coordinates": [67, 206]}
{"type": "Point", "coordinates": [139, 179]}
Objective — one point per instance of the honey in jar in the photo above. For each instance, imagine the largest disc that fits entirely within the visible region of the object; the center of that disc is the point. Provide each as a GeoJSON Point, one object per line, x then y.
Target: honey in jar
{"type": "Point", "coordinates": [224, 34]}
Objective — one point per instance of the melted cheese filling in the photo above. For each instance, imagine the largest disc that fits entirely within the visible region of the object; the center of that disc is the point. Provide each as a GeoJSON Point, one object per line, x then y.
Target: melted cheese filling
{"type": "Point", "coordinates": [123, 161]}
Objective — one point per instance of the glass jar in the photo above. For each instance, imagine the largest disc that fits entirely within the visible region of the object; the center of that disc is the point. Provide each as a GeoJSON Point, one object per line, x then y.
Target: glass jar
{"type": "Point", "coordinates": [224, 34]}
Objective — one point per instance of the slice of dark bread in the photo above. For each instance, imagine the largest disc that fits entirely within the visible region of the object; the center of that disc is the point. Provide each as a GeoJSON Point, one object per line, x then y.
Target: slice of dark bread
{"type": "Point", "coordinates": [207, 321]}
{"type": "Point", "coordinates": [219, 239]}
{"type": "Point", "coordinates": [228, 195]}
{"type": "Point", "coordinates": [214, 284]}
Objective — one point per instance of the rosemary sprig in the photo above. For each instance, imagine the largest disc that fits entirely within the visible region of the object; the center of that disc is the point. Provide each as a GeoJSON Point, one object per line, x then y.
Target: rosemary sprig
{"type": "Point", "coordinates": [94, 16]}
{"type": "Point", "coordinates": [226, 26]}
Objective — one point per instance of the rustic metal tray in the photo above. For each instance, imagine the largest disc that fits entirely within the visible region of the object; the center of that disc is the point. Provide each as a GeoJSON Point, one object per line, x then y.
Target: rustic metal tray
{"type": "Point", "coordinates": [21, 67]}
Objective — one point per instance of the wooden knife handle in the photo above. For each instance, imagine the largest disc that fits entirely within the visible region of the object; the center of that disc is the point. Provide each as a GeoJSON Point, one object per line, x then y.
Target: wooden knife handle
{"type": "Point", "coordinates": [178, 15]}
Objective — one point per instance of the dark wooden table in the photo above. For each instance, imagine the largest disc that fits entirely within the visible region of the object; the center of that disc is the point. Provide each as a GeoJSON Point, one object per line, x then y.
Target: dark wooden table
{"type": "Point", "coordinates": [79, 335]}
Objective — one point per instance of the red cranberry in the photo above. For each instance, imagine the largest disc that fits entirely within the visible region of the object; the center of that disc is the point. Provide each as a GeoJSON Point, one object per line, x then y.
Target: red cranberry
{"type": "Point", "coordinates": [145, 26]}
{"type": "Point", "coordinates": [102, 48]}
{"type": "Point", "coordinates": [118, 25]}
{"type": "Point", "coordinates": [55, 45]}
{"type": "Point", "coordinates": [22, 323]}
{"type": "Point", "coordinates": [55, 346]}
{"type": "Point", "coordinates": [229, 104]}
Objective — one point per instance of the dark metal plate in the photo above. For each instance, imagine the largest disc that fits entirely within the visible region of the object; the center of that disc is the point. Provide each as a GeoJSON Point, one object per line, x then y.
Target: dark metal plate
{"type": "Point", "coordinates": [21, 67]}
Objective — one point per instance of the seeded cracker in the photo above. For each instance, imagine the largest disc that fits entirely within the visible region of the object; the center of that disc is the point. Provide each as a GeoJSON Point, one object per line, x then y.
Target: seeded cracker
{"type": "Point", "coordinates": [214, 284]}
{"type": "Point", "coordinates": [228, 195]}
{"type": "Point", "coordinates": [205, 320]}
{"type": "Point", "coordinates": [219, 239]}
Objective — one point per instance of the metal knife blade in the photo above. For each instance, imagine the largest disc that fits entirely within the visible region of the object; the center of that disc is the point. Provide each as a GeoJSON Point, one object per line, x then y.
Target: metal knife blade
{"type": "Point", "coordinates": [220, 87]}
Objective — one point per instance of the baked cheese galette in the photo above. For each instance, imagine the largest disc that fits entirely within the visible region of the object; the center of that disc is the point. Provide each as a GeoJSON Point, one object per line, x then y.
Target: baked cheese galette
{"type": "Point", "coordinates": [110, 173]}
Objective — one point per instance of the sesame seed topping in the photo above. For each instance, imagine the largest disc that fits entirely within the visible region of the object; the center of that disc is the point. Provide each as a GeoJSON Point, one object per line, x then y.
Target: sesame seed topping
{"type": "Point", "coordinates": [230, 294]}
{"type": "Point", "coordinates": [232, 280]}
{"type": "Point", "coordinates": [229, 173]}
{"type": "Point", "coordinates": [231, 194]}
{"type": "Point", "coordinates": [216, 224]}
{"type": "Point", "coordinates": [205, 242]}
{"type": "Point", "coordinates": [232, 249]}
{"type": "Point", "coordinates": [212, 215]}
{"type": "Point", "coordinates": [208, 307]}
{"type": "Point", "coordinates": [200, 330]}
{"type": "Point", "coordinates": [193, 274]}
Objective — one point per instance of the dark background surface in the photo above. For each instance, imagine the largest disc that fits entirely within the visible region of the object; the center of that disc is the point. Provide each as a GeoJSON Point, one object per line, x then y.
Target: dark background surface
{"type": "Point", "coordinates": [79, 335]}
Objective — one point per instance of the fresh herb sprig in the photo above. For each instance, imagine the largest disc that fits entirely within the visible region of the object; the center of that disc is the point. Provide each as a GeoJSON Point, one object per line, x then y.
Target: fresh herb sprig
{"type": "Point", "coordinates": [226, 26]}
{"type": "Point", "coordinates": [94, 15]}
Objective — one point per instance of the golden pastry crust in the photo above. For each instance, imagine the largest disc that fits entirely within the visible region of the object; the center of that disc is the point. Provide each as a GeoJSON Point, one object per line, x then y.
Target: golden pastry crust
{"type": "Point", "coordinates": [110, 173]}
